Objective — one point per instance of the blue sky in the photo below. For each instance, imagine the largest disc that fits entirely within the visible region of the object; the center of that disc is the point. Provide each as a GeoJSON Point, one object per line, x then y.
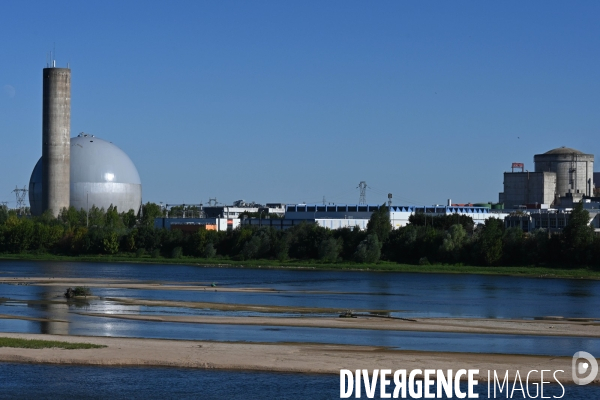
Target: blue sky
{"type": "Point", "coordinates": [281, 101]}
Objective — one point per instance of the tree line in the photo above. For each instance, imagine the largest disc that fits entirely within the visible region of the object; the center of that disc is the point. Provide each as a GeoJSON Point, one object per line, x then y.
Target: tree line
{"type": "Point", "coordinates": [449, 239]}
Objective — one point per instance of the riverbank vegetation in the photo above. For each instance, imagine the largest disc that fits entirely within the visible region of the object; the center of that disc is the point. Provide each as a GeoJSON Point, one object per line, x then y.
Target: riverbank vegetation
{"type": "Point", "coordinates": [442, 244]}
{"type": "Point", "coordinates": [44, 344]}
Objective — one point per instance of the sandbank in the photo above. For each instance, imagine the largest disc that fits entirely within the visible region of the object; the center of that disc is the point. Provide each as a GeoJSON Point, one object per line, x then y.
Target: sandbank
{"type": "Point", "coordinates": [456, 325]}
{"type": "Point", "coordinates": [286, 357]}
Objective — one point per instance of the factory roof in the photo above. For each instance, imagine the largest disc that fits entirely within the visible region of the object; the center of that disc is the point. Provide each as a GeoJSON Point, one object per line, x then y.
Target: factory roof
{"type": "Point", "coordinates": [564, 150]}
{"type": "Point", "coordinates": [441, 209]}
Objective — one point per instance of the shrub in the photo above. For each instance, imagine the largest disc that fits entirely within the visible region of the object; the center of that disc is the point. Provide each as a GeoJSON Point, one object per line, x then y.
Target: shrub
{"type": "Point", "coordinates": [78, 291]}
{"type": "Point", "coordinates": [329, 249]}
{"type": "Point", "coordinates": [210, 251]}
{"type": "Point", "coordinates": [368, 251]}
{"type": "Point", "coordinates": [177, 252]}
{"type": "Point", "coordinates": [155, 253]}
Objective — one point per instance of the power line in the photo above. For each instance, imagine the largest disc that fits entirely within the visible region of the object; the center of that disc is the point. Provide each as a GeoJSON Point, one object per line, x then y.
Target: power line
{"type": "Point", "coordinates": [20, 194]}
{"type": "Point", "coordinates": [363, 192]}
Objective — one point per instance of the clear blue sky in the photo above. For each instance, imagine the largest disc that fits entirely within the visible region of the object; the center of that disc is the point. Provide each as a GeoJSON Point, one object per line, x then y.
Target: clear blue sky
{"type": "Point", "coordinates": [281, 101]}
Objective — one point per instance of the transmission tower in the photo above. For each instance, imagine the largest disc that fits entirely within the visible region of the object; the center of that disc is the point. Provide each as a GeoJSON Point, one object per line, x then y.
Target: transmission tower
{"type": "Point", "coordinates": [20, 194]}
{"type": "Point", "coordinates": [363, 192]}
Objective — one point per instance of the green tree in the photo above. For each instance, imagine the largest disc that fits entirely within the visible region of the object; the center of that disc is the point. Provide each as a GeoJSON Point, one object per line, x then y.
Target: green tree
{"type": "Point", "coordinates": [128, 243]}
{"type": "Point", "coordinates": [578, 236]}
{"type": "Point", "coordinates": [491, 241]}
{"type": "Point", "coordinates": [3, 214]}
{"type": "Point", "coordinates": [150, 211]}
{"type": "Point", "coordinates": [442, 221]}
{"type": "Point", "coordinates": [454, 241]}
{"type": "Point", "coordinates": [513, 246]}
{"type": "Point", "coordinates": [72, 218]}
{"type": "Point", "coordinates": [96, 216]}
{"type": "Point", "coordinates": [281, 247]}
{"type": "Point", "coordinates": [329, 249]}
{"type": "Point", "coordinates": [112, 219]}
{"type": "Point", "coordinates": [379, 223]}
{"type": "Point", "coordinates": [251, 248]}
{"type": "Point", "coordinates": [129, 219]}
{"type": "Point", "coordinates": [369, 250]}
{"type": "Point", "coordinates": [18, 234]}
{"type": "Point", "coordinates": [210, 251]}
{"type": "Point", "coordinates": [349, 238]}
{"type": "Point", "coordinates": [305, 240]}
{"type": "Point", "coordinates": [110, 243]}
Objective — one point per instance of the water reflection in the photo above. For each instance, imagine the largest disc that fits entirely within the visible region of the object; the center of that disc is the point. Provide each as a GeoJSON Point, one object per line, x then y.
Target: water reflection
{"type": "Point", "coordinates": [415, 295]}
{"type": "Point", "coordinates": [426, 341]}
{"type": "Point", "coordinates": [395, 294]}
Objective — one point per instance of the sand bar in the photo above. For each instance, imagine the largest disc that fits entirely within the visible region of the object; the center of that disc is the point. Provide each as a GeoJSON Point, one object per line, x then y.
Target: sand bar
{"type": "Point", "coordinates": [128, 284]}
{"type": "Point", "coordinates": [152, 285]}
{"type": "Point", "coordinates": [300, 358]}
{"type": "Point", "coordinates": [458, 325]}
{"type": "Point", "coordinates": [222, 306]}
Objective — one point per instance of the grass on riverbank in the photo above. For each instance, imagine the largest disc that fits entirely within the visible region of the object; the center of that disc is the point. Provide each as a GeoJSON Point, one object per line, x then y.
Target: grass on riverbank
{"type": "Point", "coordinates": [384, 266]}
{"type": "Point", "coordinates": [44, 344]}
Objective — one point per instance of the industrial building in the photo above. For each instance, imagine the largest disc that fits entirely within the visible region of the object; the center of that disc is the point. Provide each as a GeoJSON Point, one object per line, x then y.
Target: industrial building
{"type": "Point", "coordinates": [551, 220]}
{"type": "Point", "coordinates": [331, 211]}
{"type": "Point", "coordinates": [399, 215]}
{"type": "Point", "coordinates": [562, 176]}
{"type": "Point", "coordinates": [331, 216]}
{"type": "Point", "coordinates": [101, 175]}
{"type": "Point", "coordinates": [83, 171]}
{"type": "Point", "coordinates": [239, 207]}
{"type": "Point", "coordinates": [194, 224]}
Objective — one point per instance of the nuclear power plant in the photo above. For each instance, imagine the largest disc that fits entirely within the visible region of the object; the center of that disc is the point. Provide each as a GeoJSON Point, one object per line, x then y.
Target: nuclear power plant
{"type": "Point", "coordinates": [86, 171]}
{"type": "Point", "coordinates": [82, 172]}
{"type": "Point", "coordinates": [562, 176]}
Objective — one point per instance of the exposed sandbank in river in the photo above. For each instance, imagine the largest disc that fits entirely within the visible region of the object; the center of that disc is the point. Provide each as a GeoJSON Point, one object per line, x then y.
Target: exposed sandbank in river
{"type": "Point", "coordinates": [302, 358]}
{"type": "Point", "coordinates": [456, 325]}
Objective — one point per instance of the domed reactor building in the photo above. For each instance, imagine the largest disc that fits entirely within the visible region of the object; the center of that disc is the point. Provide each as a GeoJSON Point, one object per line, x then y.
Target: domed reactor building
{"type": "Point", "coordinates": [562, 177]}
{"type": "Point", "coordinates": [101, 175]}
{"type": "Point", "coordinates": [83, 171]}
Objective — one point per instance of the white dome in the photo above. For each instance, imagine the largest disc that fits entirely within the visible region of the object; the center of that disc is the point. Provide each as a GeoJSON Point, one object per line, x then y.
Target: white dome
{"type": "Point", "coordinates": [101, 175]}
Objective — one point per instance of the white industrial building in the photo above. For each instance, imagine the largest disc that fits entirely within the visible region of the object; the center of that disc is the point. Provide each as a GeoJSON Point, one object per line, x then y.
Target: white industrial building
{"type": "Point", "coordinates": [334, 216]}
{"type": "Point", "coordinates": [399, 215]}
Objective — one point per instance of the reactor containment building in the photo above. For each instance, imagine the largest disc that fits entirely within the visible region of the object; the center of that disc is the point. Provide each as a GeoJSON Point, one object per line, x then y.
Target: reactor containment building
{"type": "Point", "coordinates": [562, 176]}
{"type": "Point", "coordinates": [83, 171]}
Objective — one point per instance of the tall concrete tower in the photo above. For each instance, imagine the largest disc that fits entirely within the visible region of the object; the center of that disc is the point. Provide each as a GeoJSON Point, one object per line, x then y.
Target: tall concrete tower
{"type": "Point", "coordinates": [56, 139]}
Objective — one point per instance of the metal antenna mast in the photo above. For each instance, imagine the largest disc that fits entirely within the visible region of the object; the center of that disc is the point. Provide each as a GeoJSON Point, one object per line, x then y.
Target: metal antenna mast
{"type": "Point", "coordinates": [20, 194]}
{"type": "Point", "coordinates": [363, 192]}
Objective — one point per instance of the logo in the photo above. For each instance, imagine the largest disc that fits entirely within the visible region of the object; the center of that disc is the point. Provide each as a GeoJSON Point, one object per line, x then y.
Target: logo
{"type": "Point", "coordinates": [584, 362]}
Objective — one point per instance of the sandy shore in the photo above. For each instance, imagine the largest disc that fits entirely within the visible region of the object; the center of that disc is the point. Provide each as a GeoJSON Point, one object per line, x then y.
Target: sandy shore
{"type": "Point", "coordinates": [224, 306]}
{"type": "Point", "coordinates": [300, 358]}
{"type": "Point", "coordinates": [128, 284]}
{"type": "Point", "coordinates": [458, 325]}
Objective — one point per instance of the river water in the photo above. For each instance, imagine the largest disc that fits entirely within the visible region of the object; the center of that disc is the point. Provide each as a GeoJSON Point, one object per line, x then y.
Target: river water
{"type": "Point", "coordinates": [397, 294]}
{"type": "Point", "coordinates": [26, 381]}
{"type": "Point", "coordinates": [408, 294]}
